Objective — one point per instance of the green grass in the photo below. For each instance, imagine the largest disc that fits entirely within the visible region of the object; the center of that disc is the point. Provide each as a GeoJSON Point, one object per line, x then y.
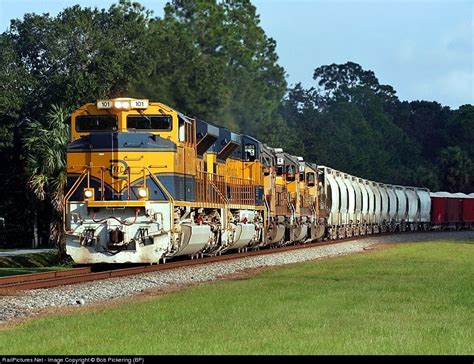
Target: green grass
{"type": "Point", "coordinates": [30, 263]}
{"type": "Point", "coordinates": [412, 299]}
{"type": "Point", "coordinates": [37, 260]}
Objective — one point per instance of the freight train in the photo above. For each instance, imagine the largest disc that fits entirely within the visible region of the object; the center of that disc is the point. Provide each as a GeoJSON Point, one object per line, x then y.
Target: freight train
{"type": "Point", "coordinates": [147, 183]}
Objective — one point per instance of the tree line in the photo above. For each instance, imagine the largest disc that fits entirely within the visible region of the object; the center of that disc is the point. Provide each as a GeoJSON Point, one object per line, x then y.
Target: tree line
{"type": "Point", "coordinates": [209, 59]}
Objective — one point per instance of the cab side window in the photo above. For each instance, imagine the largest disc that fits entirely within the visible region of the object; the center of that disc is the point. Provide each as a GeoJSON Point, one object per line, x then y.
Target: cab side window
{"type": "Point", "coordinates": [250, 153]}
{"type": "Point", "coordinates": [186, 130]}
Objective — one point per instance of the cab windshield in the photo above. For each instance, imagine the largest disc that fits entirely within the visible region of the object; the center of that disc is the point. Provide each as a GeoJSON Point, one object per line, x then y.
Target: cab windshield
{"type": "Point", "coordinates": [96, 123]}
{"type": "Point", "coordinates": [149, 122]}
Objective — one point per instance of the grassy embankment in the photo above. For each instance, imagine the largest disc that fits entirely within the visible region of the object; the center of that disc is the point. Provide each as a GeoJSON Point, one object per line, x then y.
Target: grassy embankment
{"type": "Point", "coordinates": [411, 299]}
{"type": "Point", "coordinates": [29, 263]}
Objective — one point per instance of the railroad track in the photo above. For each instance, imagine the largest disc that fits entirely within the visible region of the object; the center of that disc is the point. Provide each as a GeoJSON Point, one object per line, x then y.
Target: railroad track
{"type": "Point", "coordinates": [85, 274]}
{"type": "Point", "coordinates": [29, 281]}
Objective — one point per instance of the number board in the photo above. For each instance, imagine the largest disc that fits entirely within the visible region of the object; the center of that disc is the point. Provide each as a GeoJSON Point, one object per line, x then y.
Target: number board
{"type": "Point", "coordinates": [139, 104]}
{"type": "Point", "coordinates": [104, 104]}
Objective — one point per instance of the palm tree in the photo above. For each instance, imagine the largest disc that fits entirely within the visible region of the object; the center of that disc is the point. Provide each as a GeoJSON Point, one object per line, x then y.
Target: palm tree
{"type": "Point", "coordinates": [457, 169]}
{"type": "Point", "coordinates": [45, 146]}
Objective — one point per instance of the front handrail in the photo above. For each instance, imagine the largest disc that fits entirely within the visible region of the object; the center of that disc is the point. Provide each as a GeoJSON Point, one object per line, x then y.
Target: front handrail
{"type": "Point", "coordinates": [158, 182]}
{"type": "Point", "coordinates": [87, 173]}
{"type": "Point", "coordinates": [69, 194]}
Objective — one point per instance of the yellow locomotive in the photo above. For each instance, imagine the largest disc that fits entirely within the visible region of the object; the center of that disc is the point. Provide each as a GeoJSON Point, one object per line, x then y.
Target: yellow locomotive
{"type": "Point", "coordinates": [147, 183]}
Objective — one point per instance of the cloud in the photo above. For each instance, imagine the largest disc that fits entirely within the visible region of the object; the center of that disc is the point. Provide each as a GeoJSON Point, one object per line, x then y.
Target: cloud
{"type": "Point", "coordinates": [406, 52]}
{"type": "Point", "coordinates": [441, 68]}
{"type": "Point", "coordinates": [458, 43]}
{"type": "Point", "coordinates": [456, 87]}
{"type": "Point", "coordinates": [455, 45]}
{"type": "Point", "coordinates": [457, 84]}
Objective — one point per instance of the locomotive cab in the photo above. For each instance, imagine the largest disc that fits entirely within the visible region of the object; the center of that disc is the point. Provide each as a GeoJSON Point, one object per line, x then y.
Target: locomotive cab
{"type": "Point", "coordinates": [126, 142]}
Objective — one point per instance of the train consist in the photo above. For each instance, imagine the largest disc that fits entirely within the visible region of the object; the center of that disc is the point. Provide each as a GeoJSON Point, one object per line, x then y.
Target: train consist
{"type": "Point", "coordinates": [147, 183]}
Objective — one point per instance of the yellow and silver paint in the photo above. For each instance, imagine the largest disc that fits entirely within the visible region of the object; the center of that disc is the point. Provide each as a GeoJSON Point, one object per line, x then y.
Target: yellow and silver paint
{"type": "Point", "coordinates": [151, 230]}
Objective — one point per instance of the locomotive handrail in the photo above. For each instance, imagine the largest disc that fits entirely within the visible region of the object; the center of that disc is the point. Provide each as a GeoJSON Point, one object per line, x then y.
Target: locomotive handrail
{"type": "Point", "coordinates": [223, 198]}
{"type": "Point", "coordinates": [289, 201]}
{"type": "Point", "coordinates": [86, 172]}
{"type": "Point", "coordinates": [158, 182]}
{"type": "Point", "coordinates": [268, 208]}
{"type": "Point", "coordinates": [70, 192]}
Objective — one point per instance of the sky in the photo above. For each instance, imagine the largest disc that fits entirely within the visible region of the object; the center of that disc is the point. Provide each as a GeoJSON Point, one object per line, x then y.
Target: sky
{"type": "Point", "coordinates": [424, 49]}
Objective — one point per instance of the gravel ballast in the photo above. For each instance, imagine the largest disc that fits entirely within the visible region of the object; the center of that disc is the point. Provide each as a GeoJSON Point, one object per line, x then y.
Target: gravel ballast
{"type": "Point", "coordinates": [30, 303]}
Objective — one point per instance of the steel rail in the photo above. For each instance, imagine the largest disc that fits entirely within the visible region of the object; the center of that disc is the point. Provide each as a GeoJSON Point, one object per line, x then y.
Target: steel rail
{"type": "Point", "coordinates": [33, 277]}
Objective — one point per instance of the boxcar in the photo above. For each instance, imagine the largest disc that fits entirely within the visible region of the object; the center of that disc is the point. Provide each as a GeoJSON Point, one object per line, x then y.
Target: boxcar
{"type": "Point", "coordinates": [467, 208]}
{"type": "Point", "coordinates": [438, 208]}
{"type": "Point", "coordinates": [454, 209]}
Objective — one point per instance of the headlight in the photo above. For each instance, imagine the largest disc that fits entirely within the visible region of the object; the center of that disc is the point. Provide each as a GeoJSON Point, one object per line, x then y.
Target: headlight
{"type": "Point", "coordinates": [123, 103]}
{"type": "Point", "coordinates": [142, 192]}
{"type": "Point", "coordinates": [88, 193]}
